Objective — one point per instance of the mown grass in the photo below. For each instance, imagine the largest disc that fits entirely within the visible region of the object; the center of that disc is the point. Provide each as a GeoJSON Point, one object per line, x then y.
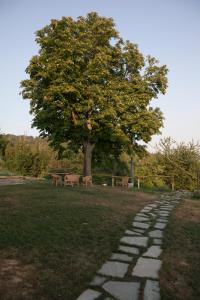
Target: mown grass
{"type": "Point", "coordinates": [180, 275]}
{"type": "Point", "coordinates": [53, 240]}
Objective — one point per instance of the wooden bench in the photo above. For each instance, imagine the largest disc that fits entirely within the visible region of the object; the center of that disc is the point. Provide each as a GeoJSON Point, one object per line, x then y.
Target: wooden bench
{"type": "Point", "coordinates": [71, 179]}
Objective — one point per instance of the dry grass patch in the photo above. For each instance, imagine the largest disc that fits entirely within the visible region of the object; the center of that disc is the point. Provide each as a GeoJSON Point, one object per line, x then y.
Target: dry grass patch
{"type": "Point", "coordinates": [17, 280]}
{"type": "Point", "coordinates": [180, 274]}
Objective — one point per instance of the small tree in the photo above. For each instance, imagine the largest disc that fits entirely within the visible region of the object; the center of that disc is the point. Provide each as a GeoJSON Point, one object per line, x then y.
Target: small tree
{"type": "Point", "coordinates": [180, 160]}
{"type": "Point", "coordinates": [87, 85]}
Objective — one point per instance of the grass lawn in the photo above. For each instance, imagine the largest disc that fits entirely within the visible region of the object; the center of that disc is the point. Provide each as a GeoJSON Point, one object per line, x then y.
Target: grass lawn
{"type": "Point", "coordinates": [52, 240]}
{"type": "Point", "coordinates": [180, 275]}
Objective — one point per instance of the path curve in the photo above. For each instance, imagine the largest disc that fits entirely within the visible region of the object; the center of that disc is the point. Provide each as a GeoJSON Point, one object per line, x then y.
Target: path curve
{"type": "Point", "coordinates": [132, 273]}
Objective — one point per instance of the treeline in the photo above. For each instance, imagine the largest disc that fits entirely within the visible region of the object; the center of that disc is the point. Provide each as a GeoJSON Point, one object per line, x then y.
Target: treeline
{"type": "Point", "coordinates": [24, 155]}
{"type": "Point", "coordinates": [171, 164]}
{"type": "Point", "coordinates": [32, 156]}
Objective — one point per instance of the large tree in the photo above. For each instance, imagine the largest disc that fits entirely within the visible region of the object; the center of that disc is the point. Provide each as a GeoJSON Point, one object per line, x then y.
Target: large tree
{"type": "Point", "coordinates": [87, 85]}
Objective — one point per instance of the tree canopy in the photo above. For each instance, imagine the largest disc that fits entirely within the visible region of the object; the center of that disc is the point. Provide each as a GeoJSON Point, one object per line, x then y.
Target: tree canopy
{"type": "Point", "coordinates": [86, 85]}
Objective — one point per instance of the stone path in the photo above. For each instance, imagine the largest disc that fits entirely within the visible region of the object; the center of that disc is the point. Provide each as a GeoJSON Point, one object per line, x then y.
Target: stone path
{"type": "Point", "coordinates": [133, 272]}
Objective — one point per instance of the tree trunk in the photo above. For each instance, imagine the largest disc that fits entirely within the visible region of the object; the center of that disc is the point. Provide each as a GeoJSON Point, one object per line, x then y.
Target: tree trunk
{"type": "Point", "coordinates": [132, 170]}
{"type": "Point", "coordinates": [88, 147]}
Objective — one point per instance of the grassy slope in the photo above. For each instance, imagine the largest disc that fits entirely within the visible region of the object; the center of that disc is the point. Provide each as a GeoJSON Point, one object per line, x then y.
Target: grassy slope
{"type": "Point", "coordinates": [180, 274]}
{"type": "Point", "coordinates": [52, 240]}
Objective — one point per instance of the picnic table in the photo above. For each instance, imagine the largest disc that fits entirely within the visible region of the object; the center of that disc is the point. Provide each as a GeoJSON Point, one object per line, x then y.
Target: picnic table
{"type": "Point", "coordinates": [65, 178]}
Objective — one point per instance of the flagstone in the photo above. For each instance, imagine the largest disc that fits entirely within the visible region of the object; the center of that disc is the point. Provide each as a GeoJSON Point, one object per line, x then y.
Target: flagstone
{"type": "Point", "coordinates": [123, 290]}
{"type": "Point", "coordinates": [157, 241]}
{"type": "Point", "coordinates": [146, 210]}
{"type": "Point", "coordinates": [89, 294]}
{"type": "Point", "coordinates": [164, 214]}
{"type": "Point", "coordinates": [135, 241]}
{"type": "Point", "coordinates": [142, 219]}
{"type": "Point", "coordinates": [129, 250]}
{"type": "Point", "coordinates": [153, 251]}
{"type": "Point", "coordinates": [152, 214]}
{"type": "Point", "coordinates": [147, 267]}
{"type": "Point", "coordinates": [98, 280]}
{"type": "Point", "coordinates": [122, 257]}
{"type": "Point", "coordinates": [139, 230]}
{"type": "Point", "coordinates": [151, 290]}
{"type": "Point", "coordinates": [156, 234]}
{"type": "Point", "coordinates": [153, 205]}
{"type": "Point", "coordinates": [162, 220]}
{"type": "Point", "coordinates": [114, 269]}
{"type": "Point", "coordinates": [130, 232]}
{"type": "Point", "coordinates": [141, 225]}
{"type": "Point", "coordinates": [160, 225]}
{"type": "Point", "coordinates": [141, 215]}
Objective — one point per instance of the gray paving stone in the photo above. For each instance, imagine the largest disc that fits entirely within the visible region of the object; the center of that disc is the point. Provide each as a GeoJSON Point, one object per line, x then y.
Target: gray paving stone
{"type": "Point", "coordinates": [163, 214]}
{"type": "Point", "coordinates": [153, 251]}
{"type": "Point", "coordinates": [157, 241]}
{"type": "Point", "coordinates": [147, 267]}
{"type": "Point", "coordinates": [123, 290]}
{"type": "Point", "coordinates": [162, 220]}
{"type": "Point", "coordinates": [167, 208]}
{"type": "Point", "coordinates": [141, 225]}
{"type": "Point", "coordinates": [152, 205]}
{"type": "Point", "coordinates": [89, 294]}
{"type": "Point", "coordinates": [141, 215]}
{"type": "Point", "coordinates": [160, 225]}
{"type": "Point", "coordinates": [114, 269]}
{"type": "Point", "coordinates": [130, 232]}
{"type": "Point", "coordinates": [156, 234]}
{"type": "Point", "coordinates": [146, 210]}
{"type": "Point", "coordinates": [151, 290]}
{"type": "Point", "coordinates": [98, 280]}
{"type": "Point", "coordinates": [152, 215]}
{"type": "Point", "coordinates": [129, 250]}
{"type": "Point", "coordinates": [122, 257]}
{"type": "Point", "coordinates": [164, 210]}
{"type": "Point", "coordinates": [141, 219]}
{"type": "Point", "coordinates": [139, 230]}
{"type": "Point", "coordinates": [135, 241]}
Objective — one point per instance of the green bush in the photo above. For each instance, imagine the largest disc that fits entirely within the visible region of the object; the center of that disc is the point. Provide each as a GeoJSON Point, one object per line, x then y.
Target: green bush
{"type": "Point", "coordinates": [102, 179]}
{"type": "Point", "coordinates": [196, 195]}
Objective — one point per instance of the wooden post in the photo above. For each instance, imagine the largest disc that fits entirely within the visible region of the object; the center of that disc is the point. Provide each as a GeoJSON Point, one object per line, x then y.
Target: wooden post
{"type": "Point", "coordinates": [113, 181]}
{"type": "Point", "coordinates": [138, 183]}
{"type": "Point", "coordinates": [132, 173]}
{"type": "Point", "coordinates": [173, 184]}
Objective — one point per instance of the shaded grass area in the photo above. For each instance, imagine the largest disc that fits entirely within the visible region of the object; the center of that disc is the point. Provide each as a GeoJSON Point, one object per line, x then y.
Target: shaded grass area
{"type": "Point", "coordinates": [53, 240]}
{"type": "Point", "coordinates": [180, 275]}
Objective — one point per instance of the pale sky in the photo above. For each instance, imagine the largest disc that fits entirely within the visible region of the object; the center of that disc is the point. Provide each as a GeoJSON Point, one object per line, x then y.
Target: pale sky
{"type": "Point", "coordinates": [168, 30]}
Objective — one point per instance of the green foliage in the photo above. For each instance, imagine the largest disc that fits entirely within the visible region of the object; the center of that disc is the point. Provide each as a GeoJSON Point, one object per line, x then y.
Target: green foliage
{"type": "Point", "coordinates": [20, 157]}
{"type": "Point", "coordinates": [196, 195]}
{"type": "Point", "coordinates": [102, 180]}
{"type": "Point", "coordinates": [181, 161]}
{"type": "Point", "coordinates": [149, 169]}
{"type": "Point", "coordinates": [3, 143]}
{"type": "Point", "coordinates": [87, 85]}
{"type": "Point", "coordinates": [111, 164]}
